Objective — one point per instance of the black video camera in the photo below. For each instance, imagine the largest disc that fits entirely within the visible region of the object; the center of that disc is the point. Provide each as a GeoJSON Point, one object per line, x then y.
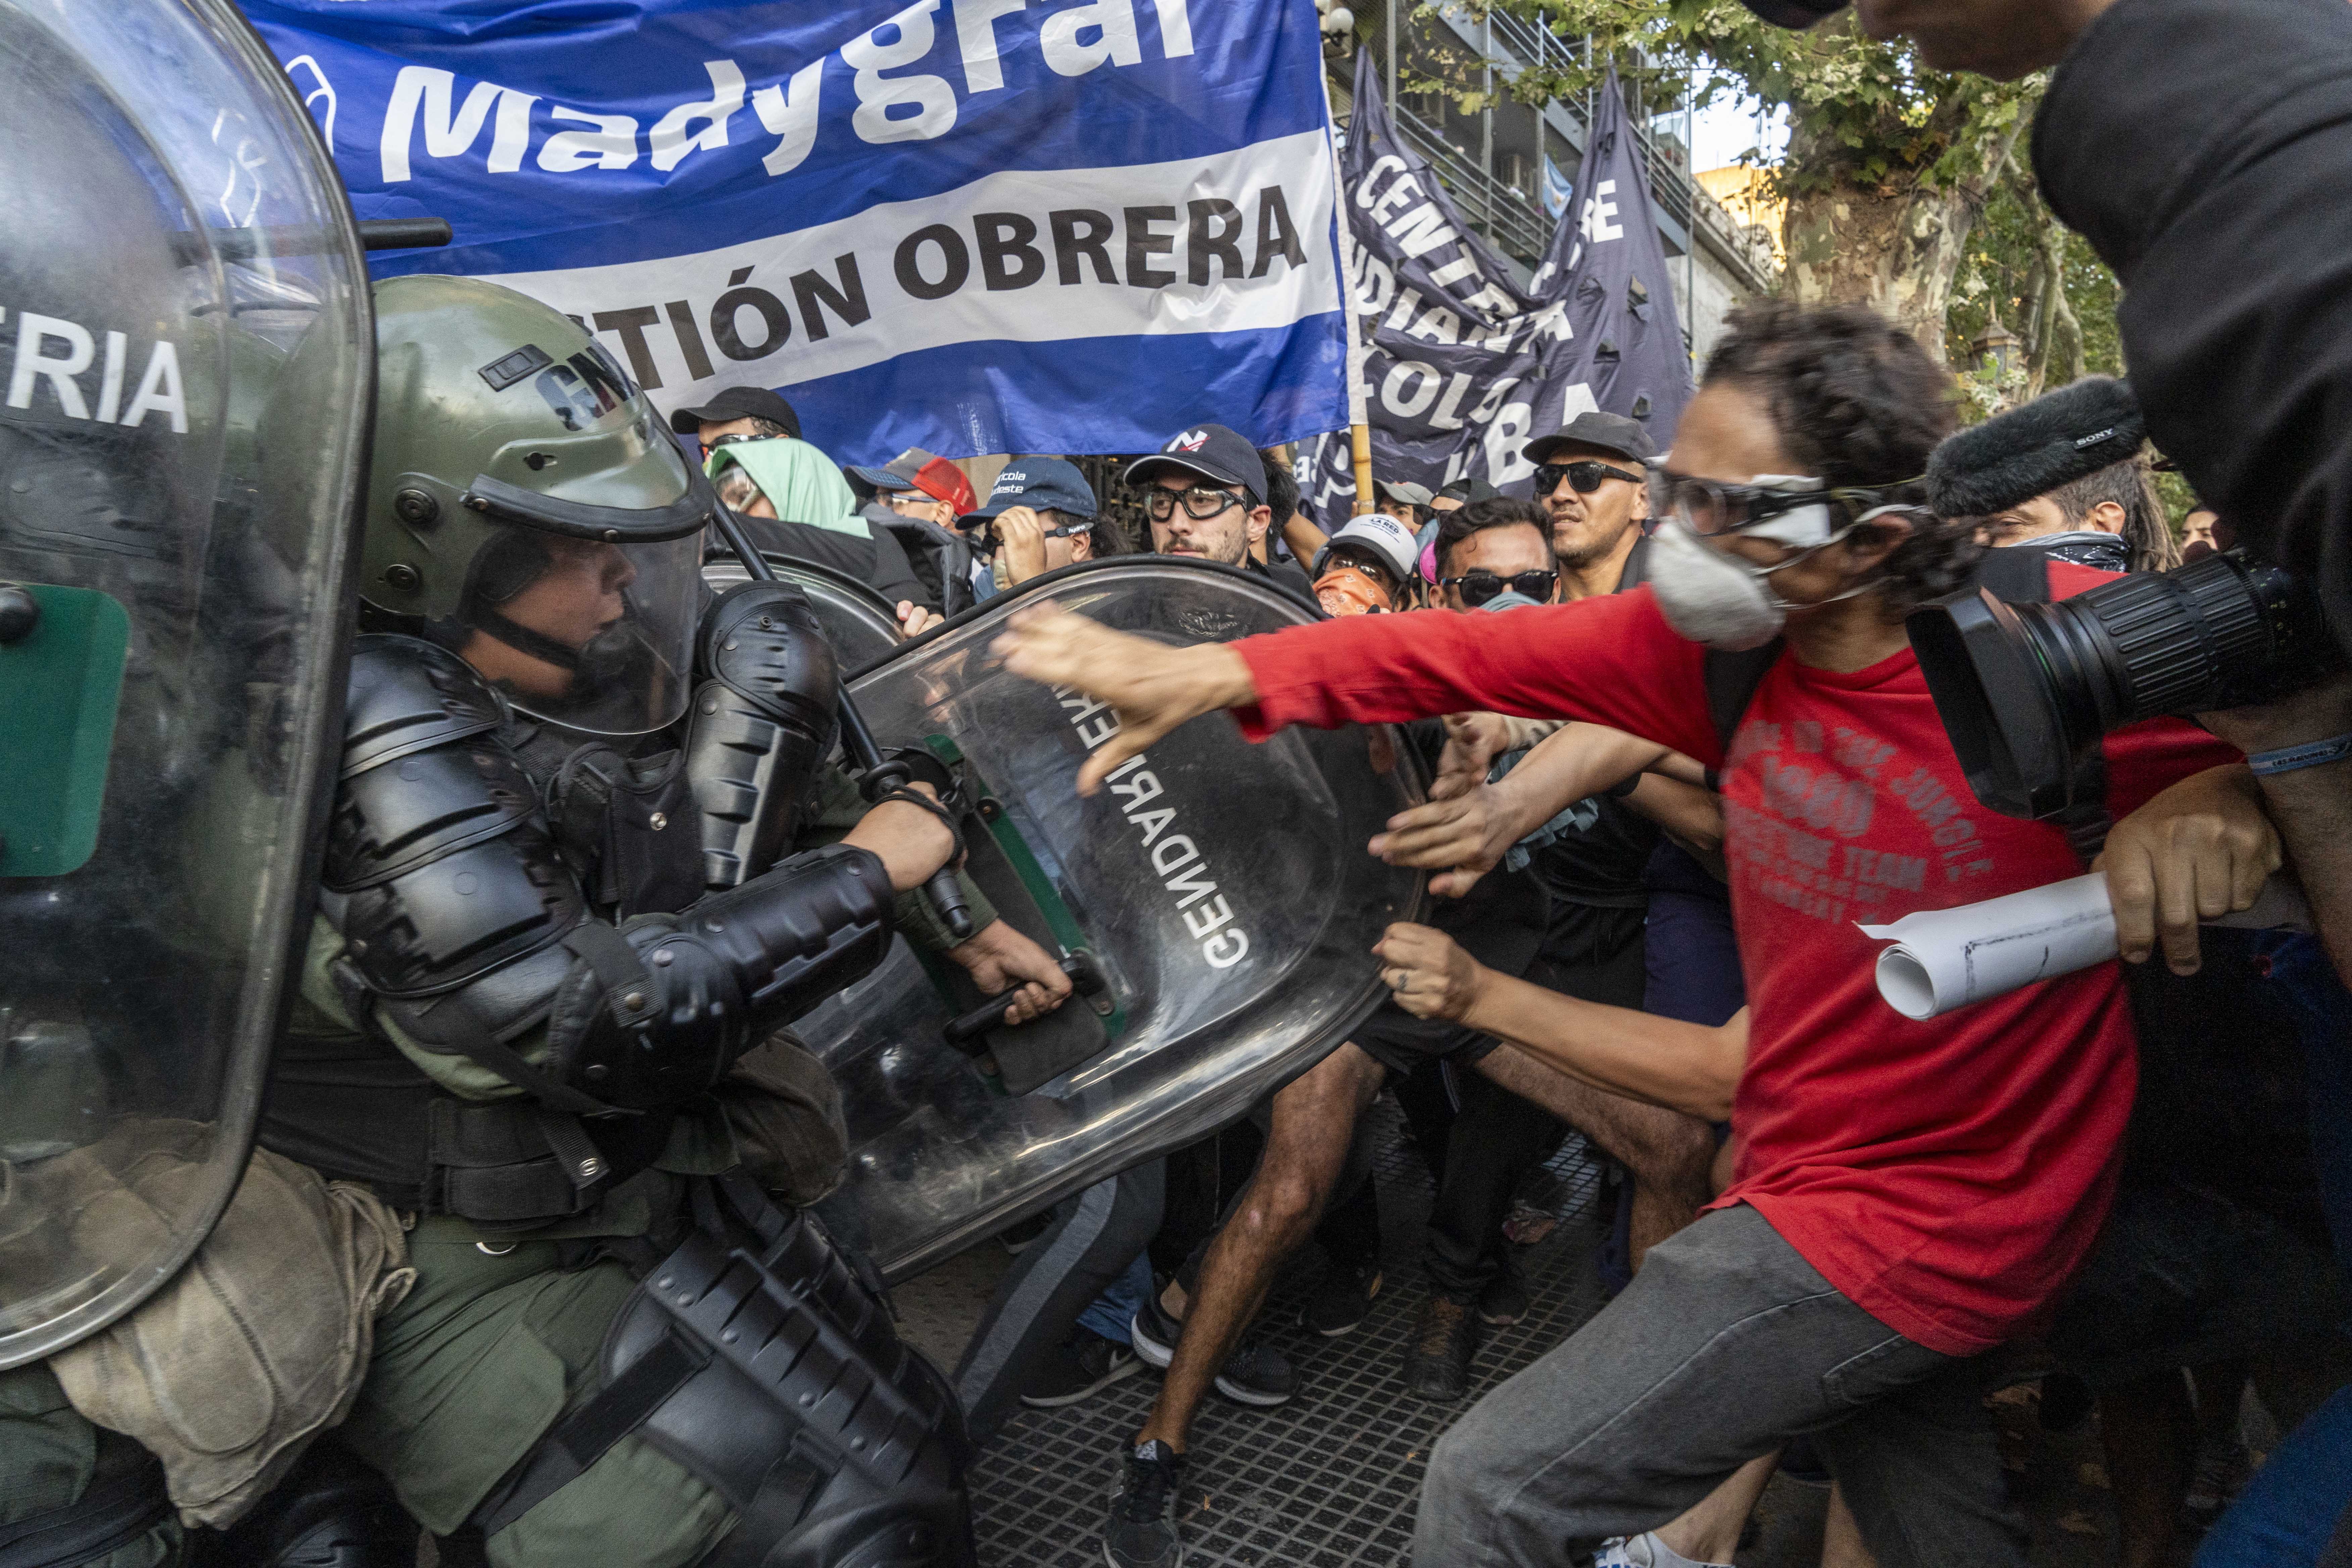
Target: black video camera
{"type": "Point", "coordinates": [2026, 691]}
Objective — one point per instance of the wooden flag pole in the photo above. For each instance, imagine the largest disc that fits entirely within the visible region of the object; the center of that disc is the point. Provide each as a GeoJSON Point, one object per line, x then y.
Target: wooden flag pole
{"type": "Point", "coordinates": [1360, 447]}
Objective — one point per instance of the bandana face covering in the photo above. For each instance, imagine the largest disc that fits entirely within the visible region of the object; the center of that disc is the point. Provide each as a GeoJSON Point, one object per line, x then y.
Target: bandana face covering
{"type": "Point", "coordinates": [1349, 590]}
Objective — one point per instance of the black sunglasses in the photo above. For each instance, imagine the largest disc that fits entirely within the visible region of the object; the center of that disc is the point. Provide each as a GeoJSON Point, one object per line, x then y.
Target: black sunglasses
{"type": "Point", "coordinates": [710, 447]}
{"type": "Point", "coordinates": [1583, 477]}
{"type": "Point", "coordinates": [1479, 588]}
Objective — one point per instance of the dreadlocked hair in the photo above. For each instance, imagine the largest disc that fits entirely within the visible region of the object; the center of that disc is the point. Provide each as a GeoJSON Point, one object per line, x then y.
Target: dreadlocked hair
{"type": "Point", "coordinates": [1858, 405]}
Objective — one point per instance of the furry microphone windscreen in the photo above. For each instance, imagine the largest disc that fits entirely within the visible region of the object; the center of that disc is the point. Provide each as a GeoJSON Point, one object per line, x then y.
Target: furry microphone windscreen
{"type": "Point", "coordinates": [2053, 440]}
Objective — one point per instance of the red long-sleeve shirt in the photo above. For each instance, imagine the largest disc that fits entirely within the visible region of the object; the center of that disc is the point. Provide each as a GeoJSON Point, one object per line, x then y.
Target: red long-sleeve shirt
{"type": "Point", "coordinates": [1946, 1176]}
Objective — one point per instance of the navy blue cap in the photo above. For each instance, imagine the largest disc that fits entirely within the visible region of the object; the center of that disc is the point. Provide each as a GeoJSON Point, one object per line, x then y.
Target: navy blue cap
{"type": "Point", "coordinates": [1038, 483]}
{"type": "Point", "coordinates": [1215, 453]}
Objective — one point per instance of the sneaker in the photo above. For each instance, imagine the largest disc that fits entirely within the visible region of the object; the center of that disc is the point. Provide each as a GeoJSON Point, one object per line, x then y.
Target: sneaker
{"type": "Point", "coordinates": [1443, 1341]}
{"type": "Point", "coordinates": [1015, 1239]}
{"type": "Point", "coordinates": [1257, 1374]}
{"type": "Point", "coordinates": [1086, 1365]}
{"type": "Point", "coordinates": [2221, 1472]}
{"type": "Point", "coordinates": [1505, 1301]}
{"type": "Point", "coordinates": [1342, 1301]}
{"type": "Point", "coordinates": [1154, 1334]}
{"type": "Point", "coordinates": [1141, 1530]}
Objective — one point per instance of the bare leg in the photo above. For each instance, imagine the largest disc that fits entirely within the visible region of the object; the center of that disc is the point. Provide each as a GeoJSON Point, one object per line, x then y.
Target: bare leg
{"type": "Point", "coordinates": [1709, 1532]}
{"type": "Point", "coordinates": [1670, 1153]}
{"type": "Point", "coordinates": [1314, 1121]}
{"type": "Point", "coordinates": [1842, 1543]}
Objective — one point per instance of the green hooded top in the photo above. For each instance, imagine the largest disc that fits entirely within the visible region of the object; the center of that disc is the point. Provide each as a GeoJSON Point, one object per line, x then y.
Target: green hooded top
{"type": "Point", "coordinates": [800, 482]}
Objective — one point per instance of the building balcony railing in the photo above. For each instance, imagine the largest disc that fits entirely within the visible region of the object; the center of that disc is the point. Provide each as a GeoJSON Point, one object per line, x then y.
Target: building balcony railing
{"type": "Point", "coordinates": [1512, 221]}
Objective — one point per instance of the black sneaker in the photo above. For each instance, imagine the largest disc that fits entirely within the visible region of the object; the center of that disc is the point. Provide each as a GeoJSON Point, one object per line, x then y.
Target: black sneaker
{"type": "Point", "coordinates": [1086, 1365]}
{"type": "Point", "coordinates": [1505, 1301]}
{"type": "Point", "coordinates": [1154, 1334]}
{"type": "Point", "coordinates": [1257, 1374]}
{"type": "Point", "coordinates": [1141, 1530]}
{"type": "Point", "coordinates": [1437, 1366]}
{"type": "Point", "coordinates": [1342, 1301]}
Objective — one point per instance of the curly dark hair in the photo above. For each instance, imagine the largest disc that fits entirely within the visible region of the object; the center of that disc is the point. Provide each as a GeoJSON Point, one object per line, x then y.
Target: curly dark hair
{"type": "Point", "coordinates": [1503, 511]}
{"type": "Point", "coordinates": [1858, 405]}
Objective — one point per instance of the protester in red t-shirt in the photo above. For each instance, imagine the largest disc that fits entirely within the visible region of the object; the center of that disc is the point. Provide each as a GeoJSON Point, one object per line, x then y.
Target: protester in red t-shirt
{"type": "Point", "coordinates": [1907, 1194]}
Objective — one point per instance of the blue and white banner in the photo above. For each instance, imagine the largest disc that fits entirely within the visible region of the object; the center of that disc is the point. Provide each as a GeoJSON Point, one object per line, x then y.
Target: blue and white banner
{"type": "Point", "coordinates": [972, 226]}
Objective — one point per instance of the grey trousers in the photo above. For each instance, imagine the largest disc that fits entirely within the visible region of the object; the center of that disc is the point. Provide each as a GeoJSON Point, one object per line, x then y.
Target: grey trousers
{"type": "Point", "coordinates": [1726, 1344]}
{"type": "Point", "coordinates": [1094, 1236]}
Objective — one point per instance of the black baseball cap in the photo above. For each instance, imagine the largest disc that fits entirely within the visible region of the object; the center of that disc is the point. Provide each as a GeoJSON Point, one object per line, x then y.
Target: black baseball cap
{"type": "Point", "coordinates": [737, 403]}
{"type": "Point", "coordinates": [1602, 432]}
{"type": "Point", "coordinates": [1038, 482]}
{"type": "Point", "coordinates": [1469, 493]}
{"type": "Point", "coordinates": [1221, 457]}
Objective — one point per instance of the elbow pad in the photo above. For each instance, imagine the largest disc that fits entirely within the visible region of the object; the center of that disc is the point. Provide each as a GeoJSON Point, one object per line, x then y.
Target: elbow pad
{"type": "Point", "coordinates": [762, 721]}
{"type": "Point", "coordinates": [655, 1011]}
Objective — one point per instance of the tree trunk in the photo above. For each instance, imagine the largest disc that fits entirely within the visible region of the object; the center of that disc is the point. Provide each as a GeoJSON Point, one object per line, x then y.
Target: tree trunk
{"type": "Point", "coordinates": [1895, 244]}
{"type": "Point", "coordinates": [1896, 250]}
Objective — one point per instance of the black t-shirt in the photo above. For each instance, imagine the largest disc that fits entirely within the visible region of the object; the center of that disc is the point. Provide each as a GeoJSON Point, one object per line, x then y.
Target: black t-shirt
{"type": "Point", "coordinates": [1289, 573]}
{"type": "Point", "coordinates": [2204, 148]}
{"type": "Point", "coordinates": [1601, 865]}
{"type": "Point", "coordinates": [879, 561]}
{"type": "Point", "coordinates": [1502, 921]}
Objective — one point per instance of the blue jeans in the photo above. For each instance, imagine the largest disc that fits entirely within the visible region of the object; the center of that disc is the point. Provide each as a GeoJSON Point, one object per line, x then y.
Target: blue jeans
{"type": "Point", "coordinates": [1109, 1313]}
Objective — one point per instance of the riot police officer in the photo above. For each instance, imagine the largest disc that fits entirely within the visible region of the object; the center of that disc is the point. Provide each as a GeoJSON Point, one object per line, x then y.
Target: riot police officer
{"type": "Point", "coordinates": [562, 919]}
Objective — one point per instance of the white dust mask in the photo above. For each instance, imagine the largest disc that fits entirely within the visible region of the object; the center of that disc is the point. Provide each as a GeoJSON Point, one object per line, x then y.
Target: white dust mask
{"type": "Point", "coordinates": [1709, 596]}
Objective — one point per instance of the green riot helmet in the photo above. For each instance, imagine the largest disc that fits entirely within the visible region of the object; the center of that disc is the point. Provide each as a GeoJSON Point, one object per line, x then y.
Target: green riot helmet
{"type": "Point", "coordinates": [526, 502]}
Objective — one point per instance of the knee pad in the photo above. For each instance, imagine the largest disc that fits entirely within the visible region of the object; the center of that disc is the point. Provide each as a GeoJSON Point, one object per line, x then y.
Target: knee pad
{"type": "Point", "coordinates": [777, 1379]}
{"type": "Point", "coordinates": [331, 1512]}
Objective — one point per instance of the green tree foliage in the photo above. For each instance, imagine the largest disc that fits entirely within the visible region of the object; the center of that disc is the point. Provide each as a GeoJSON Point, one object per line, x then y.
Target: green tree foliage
{"type": "Point", "coordinates": [1889, 162]}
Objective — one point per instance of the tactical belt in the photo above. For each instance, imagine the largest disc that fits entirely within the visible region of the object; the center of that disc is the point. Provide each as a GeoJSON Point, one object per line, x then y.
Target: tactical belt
{"type": "Point", "coordinates": [514, 1162]}
{"type": "Point", "coordinates": [115, 1511]}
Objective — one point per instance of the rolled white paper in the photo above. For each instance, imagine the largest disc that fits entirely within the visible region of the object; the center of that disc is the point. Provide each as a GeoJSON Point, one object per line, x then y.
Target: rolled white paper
{"type": "Point", "coordinates": [1944, 959]}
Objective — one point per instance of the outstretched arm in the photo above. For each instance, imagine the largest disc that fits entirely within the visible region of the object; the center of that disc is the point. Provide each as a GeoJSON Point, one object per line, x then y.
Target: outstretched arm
{"type": "Point", "coordinates": [1612, 660]}
{"type": "Point", "coordinates": [1663, 1061]}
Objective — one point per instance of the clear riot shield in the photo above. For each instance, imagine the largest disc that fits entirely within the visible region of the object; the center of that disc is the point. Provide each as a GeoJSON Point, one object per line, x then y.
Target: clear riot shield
{"type": "Point", "coordinates": [857, 620]}
{"type": "Point", "coordinates": [1216, 896]}
{"type": "Point", "coordinates": [191, 374]}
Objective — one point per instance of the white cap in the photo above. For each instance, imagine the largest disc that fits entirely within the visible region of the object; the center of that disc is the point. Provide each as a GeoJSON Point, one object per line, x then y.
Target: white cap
{"type": "Point", "coordinates": [1390, 542]}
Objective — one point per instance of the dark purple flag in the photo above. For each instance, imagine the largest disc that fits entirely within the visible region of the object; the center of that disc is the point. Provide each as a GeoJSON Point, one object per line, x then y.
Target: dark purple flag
{"type": "Point", "coordinates": [1463, 366]}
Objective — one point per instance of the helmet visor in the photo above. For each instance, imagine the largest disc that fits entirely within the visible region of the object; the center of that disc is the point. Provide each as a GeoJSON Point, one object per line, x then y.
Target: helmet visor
{"type": "Point", "coordinates": [588, 633]}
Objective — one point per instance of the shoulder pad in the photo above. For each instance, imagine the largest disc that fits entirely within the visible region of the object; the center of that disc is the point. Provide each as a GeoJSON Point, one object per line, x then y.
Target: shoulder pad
{"type": "Point", "coordinates": [390, 820]}
{"type": "Point", "coordinates": [407, 695]}
{"type": "Point", "coordinates": [764, 641]}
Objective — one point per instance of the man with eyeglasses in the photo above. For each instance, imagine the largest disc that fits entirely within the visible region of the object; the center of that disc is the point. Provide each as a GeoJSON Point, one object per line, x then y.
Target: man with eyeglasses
{"type": "Point", "coordinates": [1204, 494]}
{"type": "Point", "coordinates": [1588, 475]}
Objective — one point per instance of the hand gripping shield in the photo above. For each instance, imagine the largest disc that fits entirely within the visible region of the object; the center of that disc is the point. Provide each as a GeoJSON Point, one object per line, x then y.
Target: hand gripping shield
{"type": "Point", "coordinates": [190, 370]}
{"type": "Point", "coordinates": [1215, 903]}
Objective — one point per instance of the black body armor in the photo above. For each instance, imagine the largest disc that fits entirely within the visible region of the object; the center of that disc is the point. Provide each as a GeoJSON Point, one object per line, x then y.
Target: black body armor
{"type": "Point", "coordinates": [489, 882]}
